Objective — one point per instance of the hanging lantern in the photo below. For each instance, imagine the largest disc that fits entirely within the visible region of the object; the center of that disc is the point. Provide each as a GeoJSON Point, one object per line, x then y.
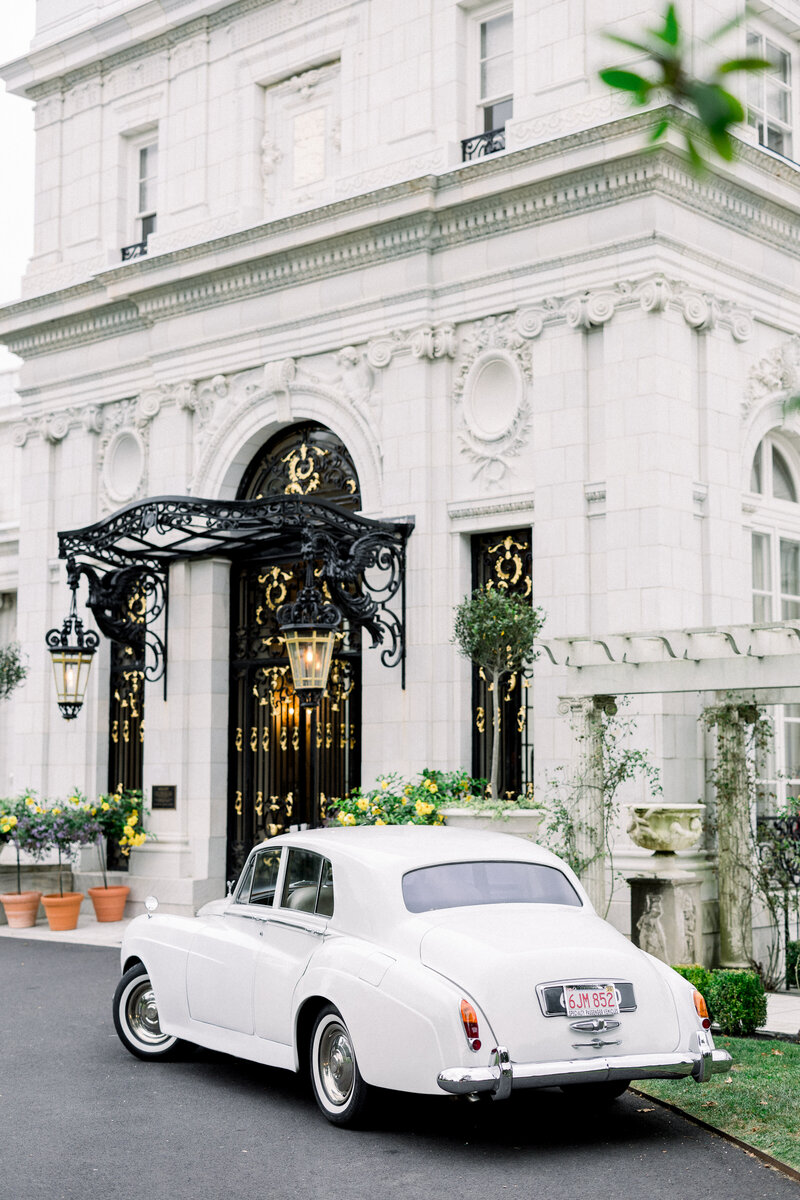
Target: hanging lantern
{"type": "Point", "coordinates": [72, 649]}
{"type": "Point", "coordinates": [308, 625]}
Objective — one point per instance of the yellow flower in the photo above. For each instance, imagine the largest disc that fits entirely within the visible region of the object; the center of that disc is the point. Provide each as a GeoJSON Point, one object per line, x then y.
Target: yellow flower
{"type": "Point", "coordinates": [105, 806]}
{"type": "Point", "coordinates": [93, 811]}
{"type": "Point", "coordinates": [380, 822]}
{"type": "Point", "coordinates": [56, 811]}
{"type": "Point", "coordinates": [139, 840]}
{"type": "Point", "coordinates": [384, 784]}
{"type": "Point", "coordinates": [407, 790]}
{"type": "Point", "coordinates": [29, 802]}
{"type": "Point", "coordinates": [133, 818]}
{"type": "Point", "coordinates": [423, 809]}
{"type": "Point", "coordinates": [74, 800]}
{"type": "Point", "coordinates": [432, 786]}
{"type": "Point", "coordinates": [128, 831]}
{"type": "Point", "coordinates": [10, 820]}
{"type": "Point", "coordinates": [362, 805]}
{"type": "Point", "coordinates": [123, 841]}
{"type": "Point", "coordinates": [346, 818]}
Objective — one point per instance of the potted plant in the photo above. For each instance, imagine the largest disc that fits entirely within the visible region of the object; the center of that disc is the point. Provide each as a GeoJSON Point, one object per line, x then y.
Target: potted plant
{"type": "Point", "coordinates": [23, 823]}
{"type": "Point", "coordinates": [393, 801]}
{"type": "Point", "coordinates": [70, 825]}
{"type": "Point", "coordinates": [118, 818]}
{"type": "Point", "coordinates": [495, 631]}
{"type": "Point", "coordinates": [468, 804]}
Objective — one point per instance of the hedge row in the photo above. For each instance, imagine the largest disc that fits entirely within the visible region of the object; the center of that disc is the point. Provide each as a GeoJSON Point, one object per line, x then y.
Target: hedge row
{"type": "Point", "coordinates": [736, 999]}
{"type": "Point", "coordinates": [793, 965]}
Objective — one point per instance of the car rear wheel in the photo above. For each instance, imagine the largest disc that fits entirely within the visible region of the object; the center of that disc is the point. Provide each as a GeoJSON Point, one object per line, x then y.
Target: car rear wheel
{"type": "Point", "coordinates": [339, 1088]}
{"type": "Point", "coordinates": [136, 1017]}
{"type": "Point", "coordinates": [604, 1092]}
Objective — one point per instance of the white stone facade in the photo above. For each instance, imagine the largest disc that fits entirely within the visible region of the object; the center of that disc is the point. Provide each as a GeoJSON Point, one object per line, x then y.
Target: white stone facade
{"type": "Point", "coordinates": [573, 334]}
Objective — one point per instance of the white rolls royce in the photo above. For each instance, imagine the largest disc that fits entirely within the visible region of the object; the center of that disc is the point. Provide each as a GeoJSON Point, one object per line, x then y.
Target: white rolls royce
{"type": "Point", "coordinates": [416, 958]}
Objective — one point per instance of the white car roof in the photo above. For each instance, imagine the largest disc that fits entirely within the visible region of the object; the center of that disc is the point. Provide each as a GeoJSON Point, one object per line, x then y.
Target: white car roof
{"type": "Point", "coordinates": [407, 846]}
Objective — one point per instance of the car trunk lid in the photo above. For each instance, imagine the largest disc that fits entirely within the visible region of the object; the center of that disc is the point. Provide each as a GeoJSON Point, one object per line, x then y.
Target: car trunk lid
{"type": "Point", "coordinates": [500, 959]}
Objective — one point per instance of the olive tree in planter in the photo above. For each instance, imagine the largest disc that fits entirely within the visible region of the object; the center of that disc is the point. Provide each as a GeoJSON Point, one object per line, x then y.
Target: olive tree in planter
{"type": "Point", "coordinates": [495, 631]}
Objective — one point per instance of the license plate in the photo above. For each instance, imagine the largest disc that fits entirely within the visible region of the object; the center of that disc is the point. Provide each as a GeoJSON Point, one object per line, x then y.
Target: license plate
{"type": "Point", "coordinates": [590, 1000]}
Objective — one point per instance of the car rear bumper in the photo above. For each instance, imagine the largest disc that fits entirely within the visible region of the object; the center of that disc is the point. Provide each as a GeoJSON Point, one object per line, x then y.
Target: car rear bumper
{"type": "Point", "coordinates": [503, 1075]}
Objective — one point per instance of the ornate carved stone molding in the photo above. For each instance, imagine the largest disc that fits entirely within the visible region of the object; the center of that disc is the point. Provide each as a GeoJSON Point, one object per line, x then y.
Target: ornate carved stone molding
{"type": "Point", "coordinates": [775, 375]}
{"type": "Point", "coordinates": [491, 392]}
{"type": "Point", "coordinates": [428, 341]}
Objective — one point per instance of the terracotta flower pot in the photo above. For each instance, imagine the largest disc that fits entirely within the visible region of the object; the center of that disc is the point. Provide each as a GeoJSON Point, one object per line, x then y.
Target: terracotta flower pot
{"type": "Point", "coordinates": [62, 911]}
{"type": "Point", "coordinates": [109, 902]}
{"type": "Point", "coordinates": [21, 908]}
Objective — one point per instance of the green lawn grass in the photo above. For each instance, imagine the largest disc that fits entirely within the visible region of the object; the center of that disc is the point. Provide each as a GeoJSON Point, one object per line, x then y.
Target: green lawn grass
{"type": "Point", "coordinates": [758, 1102]}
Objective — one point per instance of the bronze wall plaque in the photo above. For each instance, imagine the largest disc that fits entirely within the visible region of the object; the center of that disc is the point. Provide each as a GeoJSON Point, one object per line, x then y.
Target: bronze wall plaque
{"type": "Point", "coordinates": [163, 795]}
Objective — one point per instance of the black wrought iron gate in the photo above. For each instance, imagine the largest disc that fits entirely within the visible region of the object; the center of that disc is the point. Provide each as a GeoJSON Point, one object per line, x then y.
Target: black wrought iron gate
{"type": "Point", "coordinates": [286, 762]}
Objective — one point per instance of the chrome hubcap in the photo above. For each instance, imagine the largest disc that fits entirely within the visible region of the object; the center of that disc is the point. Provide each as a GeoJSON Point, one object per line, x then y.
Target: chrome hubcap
{"type": "Point", "coordinates": [141, 1014]}
{"type": "Point", "coordinates": [336, 1066]}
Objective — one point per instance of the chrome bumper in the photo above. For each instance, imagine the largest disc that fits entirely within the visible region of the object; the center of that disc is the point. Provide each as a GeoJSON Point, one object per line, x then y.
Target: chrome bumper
{"type": "Point", "coordinates": [500, 1077]}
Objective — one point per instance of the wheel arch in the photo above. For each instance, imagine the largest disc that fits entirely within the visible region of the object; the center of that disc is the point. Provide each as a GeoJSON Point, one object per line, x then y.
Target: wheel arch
{"type": "Point", "coordinates": [303, 1025]}
{"type": "Point", "coordinates": [132, 960]}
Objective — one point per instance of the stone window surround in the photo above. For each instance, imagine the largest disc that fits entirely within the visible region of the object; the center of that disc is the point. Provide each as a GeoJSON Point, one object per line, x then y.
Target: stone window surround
{"type": "Point", "coordinates": [784, 38]}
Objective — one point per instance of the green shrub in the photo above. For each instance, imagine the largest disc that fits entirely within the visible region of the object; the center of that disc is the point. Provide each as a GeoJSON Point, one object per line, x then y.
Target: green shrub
{"type": "Point", "coordinates": [737, 1001]}
{"type": "Point", "coordinates": [793, 964]}
{"type": "Point", "coordinates": [699, 977]}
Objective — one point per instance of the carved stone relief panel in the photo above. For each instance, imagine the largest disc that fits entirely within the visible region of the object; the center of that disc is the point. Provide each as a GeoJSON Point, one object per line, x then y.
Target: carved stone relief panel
{"type": "Point", "coordinates": [491, 391]}
{"type": "Point", "coordinates": [300, 147]}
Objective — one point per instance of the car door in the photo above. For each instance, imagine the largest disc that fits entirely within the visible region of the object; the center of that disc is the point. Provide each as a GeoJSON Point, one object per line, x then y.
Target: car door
{"type": "Point", "coordinates": [296, 927]}
{"type": "Point", "coordinates": [221, 964]}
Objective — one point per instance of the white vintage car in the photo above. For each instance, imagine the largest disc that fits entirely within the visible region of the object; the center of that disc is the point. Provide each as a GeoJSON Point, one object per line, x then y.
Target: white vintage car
{"type": "Point", "coordinates": [421, 959]}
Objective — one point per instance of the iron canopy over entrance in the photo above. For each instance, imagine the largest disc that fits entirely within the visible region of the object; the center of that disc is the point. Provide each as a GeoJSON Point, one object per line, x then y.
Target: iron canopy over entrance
{"type": "Point", "coordinates": [126, 559]}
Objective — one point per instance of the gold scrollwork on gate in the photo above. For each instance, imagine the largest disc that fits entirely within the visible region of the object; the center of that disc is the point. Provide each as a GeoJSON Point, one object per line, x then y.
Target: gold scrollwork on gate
{"type": "Point", "coordinates": [302, 467]}
{"type": "Point", "coordinates": [275, 591]}
{"type": "Point", "coordinates": [323, 806]}
{"type": "Point", "coordinates": [508, 565]}
{"type": "Point", "coordinates": [289, 804]}
{"type": "Point", "coordinates": [265, 738]}
{"type": "Point", "coordinates": [254, 738]}
{"type": "Point", "coordinates": [259, 804]}
{"type": "Point", "coordinates": [480, 719]}
{"type": "Point", "coordinates": [237, 741]}
{"type": "Point", "coordinates": [274, 805]}
{"type": "Point", "coordinates": [521, 716]}
{"type": "Point", "coordinates": [319, 738]}
{"type": "Point", "coordinates": [137, 608]}
{"type": "Point", "coordinates": [328, 735]}
{"type": "Point", "coordinates": [126, 731]}
{"type": "Point", "coordinates": [284, 741]}
{"type": "Point", "coordinates": [273, 830]}
{"type": "Point", "coordinates": [115, 733]}
{"type": "Point", "coordinates": [295, 738]}
{"type": "Point", "coordinates": [239, 805]}
{"type": "Point", "coordinates": [352, 737]}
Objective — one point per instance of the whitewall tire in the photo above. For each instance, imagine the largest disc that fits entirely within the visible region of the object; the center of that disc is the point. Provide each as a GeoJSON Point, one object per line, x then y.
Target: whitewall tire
{"type": "Point", "coordinates": [339, 1089]}
{"type": "Point", "coordinates": [136, 1017]}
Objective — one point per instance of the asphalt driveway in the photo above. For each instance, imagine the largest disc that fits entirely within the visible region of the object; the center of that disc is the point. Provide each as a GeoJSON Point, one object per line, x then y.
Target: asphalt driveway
{"type": "Point", "coordinates": [81, 1119]}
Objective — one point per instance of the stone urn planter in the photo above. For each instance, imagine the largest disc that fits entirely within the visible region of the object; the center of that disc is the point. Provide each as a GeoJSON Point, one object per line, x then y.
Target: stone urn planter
{"type": "Point", "coordinates": [522, 822]}
{"type": "Point", "coordinates": [665, 828]}
{"type": "Point", "coordinates": [109, 902]}
{"type": "Point", "coordinates": [21, 908]}
{"type": "Point", "coordinates": [62, 911]}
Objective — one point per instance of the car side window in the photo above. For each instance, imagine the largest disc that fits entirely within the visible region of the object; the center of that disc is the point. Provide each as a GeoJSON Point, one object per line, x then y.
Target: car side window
{"type": "Point", "coordinates": [265, 876]}
{"type": "Point", "coordinates": [245, 882]}
{"type": "Point", "coordinates": [308, 885]}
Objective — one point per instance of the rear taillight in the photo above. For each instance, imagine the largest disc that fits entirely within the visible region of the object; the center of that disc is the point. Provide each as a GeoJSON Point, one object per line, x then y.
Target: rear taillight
{"type": "Point", "coordinates": [469, 1019]}
{"type": "Point", "coordinates": [702, 1010]}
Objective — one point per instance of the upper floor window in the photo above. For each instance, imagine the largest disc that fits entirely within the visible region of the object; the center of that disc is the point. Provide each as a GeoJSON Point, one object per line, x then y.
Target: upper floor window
{"type": "Point", "coordinates": [495, 67]}
{"type": "Point", "coordinates": [770, 96]}
{"type": "Point", "coordinates": [771, 475]}
{"type": "Point", "coordinates": [493, 58]}
{"type": "Point", "coordinates": [146, 192]}
{"type": "Point", "coordinates": [776, 536]}
{"type": "Point", "coordinates": [143, 172]}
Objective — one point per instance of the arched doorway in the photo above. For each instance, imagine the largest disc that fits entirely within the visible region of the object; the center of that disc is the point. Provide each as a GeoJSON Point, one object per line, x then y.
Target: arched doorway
{"type": "Point", "coordinates": [285, 762]}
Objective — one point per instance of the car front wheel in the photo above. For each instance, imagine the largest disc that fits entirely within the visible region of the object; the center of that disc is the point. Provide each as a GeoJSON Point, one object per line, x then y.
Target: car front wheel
{"type": "Point", "coordinates": [136, 1017]}
{"type": "Point", "coordinates": [339, 1088]}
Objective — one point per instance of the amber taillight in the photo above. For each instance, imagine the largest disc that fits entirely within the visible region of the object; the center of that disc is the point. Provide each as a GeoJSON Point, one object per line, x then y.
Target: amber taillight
{"type": "Point", "coordinates": [702, 1010]}
{"type": "Point", "coordinates": [469, 1019]}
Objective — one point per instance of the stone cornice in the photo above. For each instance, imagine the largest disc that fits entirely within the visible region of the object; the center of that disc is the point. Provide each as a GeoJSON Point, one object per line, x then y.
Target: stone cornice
{"type": "Point", "coordinates": [302, 251]}
{"type": "Point", "coordinates": [101, 62]}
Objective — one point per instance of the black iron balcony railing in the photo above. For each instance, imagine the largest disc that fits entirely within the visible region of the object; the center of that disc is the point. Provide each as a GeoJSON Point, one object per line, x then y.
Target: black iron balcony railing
{"type": "Point", "coordinates": [137, 250]}
{"type": "Point", "coordinates": [482, 144]}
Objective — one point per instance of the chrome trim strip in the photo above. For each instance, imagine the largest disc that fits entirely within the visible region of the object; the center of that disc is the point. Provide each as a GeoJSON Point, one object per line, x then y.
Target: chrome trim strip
{"type": "Point", "coordinates": [504, 1075]}
{"type": "Point", "coordinates": [296, 925]}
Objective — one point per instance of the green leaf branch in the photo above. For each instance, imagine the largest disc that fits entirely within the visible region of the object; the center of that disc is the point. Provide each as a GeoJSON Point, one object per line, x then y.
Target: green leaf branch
{"type": "Point", "coordinates": [707, 110]}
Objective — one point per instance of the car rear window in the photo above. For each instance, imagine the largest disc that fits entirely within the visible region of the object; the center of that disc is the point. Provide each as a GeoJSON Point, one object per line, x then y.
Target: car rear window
{"type": "Point", "coordinates": [454, 885]}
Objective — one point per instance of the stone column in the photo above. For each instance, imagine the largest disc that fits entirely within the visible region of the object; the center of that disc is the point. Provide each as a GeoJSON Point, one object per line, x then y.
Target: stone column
{"type": "Point", "coordinates": [734, 840]}
{"type": "Point", "coordinates": [586, 713]}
